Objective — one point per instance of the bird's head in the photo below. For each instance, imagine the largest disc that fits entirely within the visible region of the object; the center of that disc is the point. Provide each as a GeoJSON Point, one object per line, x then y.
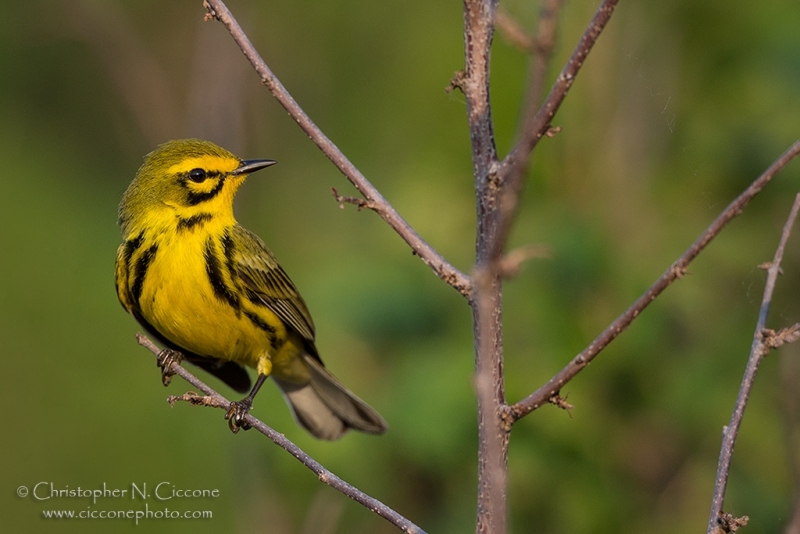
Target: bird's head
{"type": "Point", "coordinates": [188, 177]}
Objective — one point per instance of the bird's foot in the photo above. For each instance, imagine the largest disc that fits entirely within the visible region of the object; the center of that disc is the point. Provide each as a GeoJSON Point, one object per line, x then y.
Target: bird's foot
{"type": "Point", "coordinates": [236, 414]}
{"type": "Point", "coordinates": [164, 360]}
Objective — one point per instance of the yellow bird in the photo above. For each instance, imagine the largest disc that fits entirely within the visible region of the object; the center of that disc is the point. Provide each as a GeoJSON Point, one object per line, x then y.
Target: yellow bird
{"type": "Point", "coordinates": [211, 291]}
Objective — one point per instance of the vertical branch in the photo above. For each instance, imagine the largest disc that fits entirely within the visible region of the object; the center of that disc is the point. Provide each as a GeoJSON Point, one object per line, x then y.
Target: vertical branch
{"type": "Point", "coordinates": [498, 187]}
{"type": "Point", "coordinates": [487, 297]}
{"type": "Point", "coordinates": [763, 341]}
{"type": "Point", "coordinates": [492, 435]}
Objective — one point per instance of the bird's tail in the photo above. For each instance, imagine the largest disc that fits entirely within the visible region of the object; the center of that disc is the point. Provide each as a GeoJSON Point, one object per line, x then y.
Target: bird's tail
{"type": "Point", "coordinates": [326, 408]}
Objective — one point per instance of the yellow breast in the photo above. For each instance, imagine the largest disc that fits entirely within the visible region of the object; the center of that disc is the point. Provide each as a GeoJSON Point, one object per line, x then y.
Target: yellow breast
{"type": "Point", "coordinates": [190, 296]}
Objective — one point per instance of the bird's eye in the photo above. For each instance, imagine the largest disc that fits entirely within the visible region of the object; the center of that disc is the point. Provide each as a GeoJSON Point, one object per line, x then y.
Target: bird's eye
{"type": "Point", "coordinates": [197, 175]}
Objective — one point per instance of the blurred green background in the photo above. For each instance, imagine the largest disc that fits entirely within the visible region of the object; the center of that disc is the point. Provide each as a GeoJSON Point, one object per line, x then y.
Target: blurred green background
{"type": "Point", "coordinates": [679, 107]}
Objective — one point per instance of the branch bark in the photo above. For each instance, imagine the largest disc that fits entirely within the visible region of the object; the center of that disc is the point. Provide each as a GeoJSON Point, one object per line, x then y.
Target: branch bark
{"type": "Point", "coordinates": [763, 341]}
{"type": "Point", "coordinates": [487, 301]}
{"type": "Point", "coordinates": [676, 270]}
{"type": "Point", "coordinates": [377, 203]}
{"type": "Point", "coordinates": [498, 188]}
{"type": "Point", "coordinates": [512, 170]}
{"type": "Point", "coordinates": [213, 399]}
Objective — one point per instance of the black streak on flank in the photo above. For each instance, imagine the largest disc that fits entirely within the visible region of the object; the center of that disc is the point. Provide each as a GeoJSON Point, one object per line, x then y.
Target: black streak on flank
{"type": "Point", "coordinates": [229, 250]}
{"type": "Point", "coordinates": [254, 297]}
{"type": "Point", "coordinates": [142, 264]}
{"type": "Point", "coordinates": [215, 276]}
{"type": "Point", "coordinates": [193, 198]}
{"type": "Point", "coordinates": [260, 323]}
{"type": "Point", "coordinates": [131, 246]}
{"type": "Point", "coordinates": [194, 220]}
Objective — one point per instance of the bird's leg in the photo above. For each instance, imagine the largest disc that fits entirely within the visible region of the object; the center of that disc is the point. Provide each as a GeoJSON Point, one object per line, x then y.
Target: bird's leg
{"type": "Point", "coordinates": [239, 409]}
{"type": "Point", "coordinates": [165, 359]}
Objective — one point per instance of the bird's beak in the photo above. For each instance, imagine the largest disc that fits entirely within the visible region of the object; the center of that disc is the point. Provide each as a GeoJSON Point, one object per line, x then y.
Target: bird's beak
{"type": "Point", "coordinates": [252, 165]}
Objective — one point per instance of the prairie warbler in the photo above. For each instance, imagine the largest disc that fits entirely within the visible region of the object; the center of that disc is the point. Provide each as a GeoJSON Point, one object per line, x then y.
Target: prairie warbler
{"type": "Point", "coordinates": [211, 292]}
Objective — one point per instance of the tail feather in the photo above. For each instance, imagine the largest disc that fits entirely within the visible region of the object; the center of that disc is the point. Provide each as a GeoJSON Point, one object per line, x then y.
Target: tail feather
{"type": "Point", "coordinates": [326, 408]}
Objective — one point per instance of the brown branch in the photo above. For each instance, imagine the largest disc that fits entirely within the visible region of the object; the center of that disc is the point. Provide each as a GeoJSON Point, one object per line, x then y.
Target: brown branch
{"type": "Point", "coordinates": [513, 32]}
{"type": "Point", "coordinates": [541, 122]}
{"type": "Point", "coordinates": [358, 202]}
{"type": "Point", "coordinates": [675, 271]}
{"type": "Point", "coordinates": [544, 45]}
{"type": "Point", "coordinates": [509, 265]}
{"type": "Point", "coordinates": [493, 431]}
{"type": "Point", "coordinates": [729, 523]}
{"type": "Point", "coordinates": [511, 171]}
{"type": "Point", "coordinates": [443, 269]}
{"type": "Point", "coordinates": [542, 50]}
{"type": "Point", "coordinates": [497, 200]}
{"type": "Point", "coordinates": [487, 298]}
{"type": "Point", "coordinates": [764, 340]}
{"type": "Point", "coordinates": [214, 399]}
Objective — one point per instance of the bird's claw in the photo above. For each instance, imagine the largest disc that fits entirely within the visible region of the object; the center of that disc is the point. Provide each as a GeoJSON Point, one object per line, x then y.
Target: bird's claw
{"type": "Point", "coordinates": [164, 360]}
{"type": "Point", "coordinates": [236, 414]}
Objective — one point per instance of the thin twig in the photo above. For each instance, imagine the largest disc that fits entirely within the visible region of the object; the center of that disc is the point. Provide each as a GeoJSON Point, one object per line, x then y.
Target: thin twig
{"type": "Point", "coordinates": [541, 48]}
{"type": "Point", "coordinates": [675, 271]}
{"type": "Point", "coordinates": [358, 202]}
{"type": "Point", "coordinates": [443, 269]}
{"type": "Point", "coordinates": [511, 170]}
{"type": "Point", "coordinates": [214, 399]}
{"type": "Point", "coordinates": [763, 341]}
{"type": "Point", "coordinates": [510, 264]}
{"type": "Point", "coordinates": [566, 78]}
{"type": "Point", "coordinates": [729, 523]}
{"type": "Point", "coordinates": [541, 53]}
{"type": "Point", "coordinates": [513, 32]}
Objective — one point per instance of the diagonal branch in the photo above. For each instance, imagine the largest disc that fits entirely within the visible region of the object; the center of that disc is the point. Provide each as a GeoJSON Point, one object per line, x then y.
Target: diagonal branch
{"type": "Point", "coordinates": [443, 269]}
{"type": "Point", "coordinates": [511, 171]}
{"type": "Point", "coordinates": [541, 122]}
{"type": "Point", "coordinates": [764, 340]}
{"type": "Point", "coordinates": [676, 270]}
{"type": "Point", "coordinates": [513, 32]}
{"type": "Point", "coordinates": [540, 48]}
{"type": "Point", "coordinates": [544, 45]}
{"type": "Point", "coordinates": [214, 399]}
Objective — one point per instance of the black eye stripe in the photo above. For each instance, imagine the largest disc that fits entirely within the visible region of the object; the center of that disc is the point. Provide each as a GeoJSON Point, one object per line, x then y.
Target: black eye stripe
{"type": "Point", "coordinates": [196, 197]}
{"type": "Point", "coordinates": [197, 176]}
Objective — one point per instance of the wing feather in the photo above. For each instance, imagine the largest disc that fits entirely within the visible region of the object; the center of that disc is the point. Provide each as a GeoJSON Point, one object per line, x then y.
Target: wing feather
{"type": "Point", "coordinates": [268, 285]}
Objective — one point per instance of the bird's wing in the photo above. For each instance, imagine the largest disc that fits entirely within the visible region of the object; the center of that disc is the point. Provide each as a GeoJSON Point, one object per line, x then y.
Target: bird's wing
{"type": "Point", "coordinates": [266, 283]}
